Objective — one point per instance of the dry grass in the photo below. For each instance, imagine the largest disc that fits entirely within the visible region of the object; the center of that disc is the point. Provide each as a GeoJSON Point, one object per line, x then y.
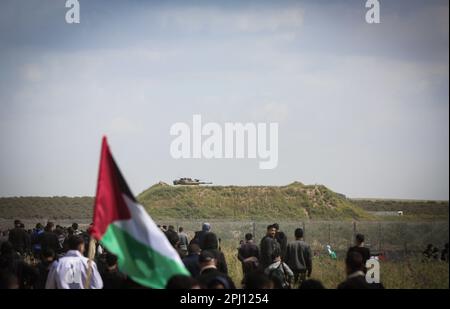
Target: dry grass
{"type": "Point", "coordinates": [407, 274]}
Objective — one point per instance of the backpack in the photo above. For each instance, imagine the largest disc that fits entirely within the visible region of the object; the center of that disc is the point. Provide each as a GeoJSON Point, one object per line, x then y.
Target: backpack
{"type": "Point", "coordinates": [278, 275]}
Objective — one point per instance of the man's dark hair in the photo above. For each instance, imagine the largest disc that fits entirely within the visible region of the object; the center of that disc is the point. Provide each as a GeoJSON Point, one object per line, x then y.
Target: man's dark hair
{"type": "Point", "coordinates": [75, 241]}
{"type": "Point", "coordinates": [311, 284]}
{"type": "Point", "coordinates": [16, 223]}
{"type": "Point", "coordinates": [193, 248]}
{"type": "Point", "coordinates": [180, 229]}
{"type": "Point", "coordinates": [298, 233]}
{"type": "Point", "coordinates": [248, 236]}
{"type": "Point", "coordinates": [206, 256]}
{"type": "Point", "coordinates": [276, 226]}
{"type": "Point", "coordinates": [276, 253]}
{"type": "Point", "coordinates": [270, 226]}
{"type": "Point", "coordinates": [70, 231]}
{"type": "Point", "coordinates": [359, 238]}
{"type": "Point", "coordinates": [49, 226]}
{"type": "Point", "coordinates": [39, 226]}
{"type": "Point", "coordinates": [354, 261]}
{"type": "Point", "coordinates": [48, 253]}
{"type": "Point", "coordinates": [75, 226]}
{"type": "Point", "coordinates": [256, 280]}
{"type": "Point", "coordinates": [171, 228]}
{"type": "Point", "coordinates": [181, 282]}
{"type": "Point", "coordinates": [111, 259]}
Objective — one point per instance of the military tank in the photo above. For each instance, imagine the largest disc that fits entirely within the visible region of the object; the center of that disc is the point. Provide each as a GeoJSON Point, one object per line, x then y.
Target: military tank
{"type": "Point", "coordinates": [189, 182]}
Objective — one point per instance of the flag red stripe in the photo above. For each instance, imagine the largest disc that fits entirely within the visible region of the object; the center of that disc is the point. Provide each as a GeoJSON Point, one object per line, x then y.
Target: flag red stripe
{"type": "Point", "coordinates": [109, 203]}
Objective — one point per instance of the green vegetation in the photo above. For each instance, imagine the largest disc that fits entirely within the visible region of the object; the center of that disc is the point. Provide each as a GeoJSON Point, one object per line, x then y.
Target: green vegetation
{"type": "Point", "coordinates": [412, 209]}
{"type": "Point", "coordinates": [402, 274]}
{"type": "Point", "coordinates": [60, 207]}
{"type": "Point", "coordinates": [295, 201]}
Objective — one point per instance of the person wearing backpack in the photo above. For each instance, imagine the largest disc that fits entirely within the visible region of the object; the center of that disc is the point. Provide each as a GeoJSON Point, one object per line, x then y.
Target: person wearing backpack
{"type": "Point", "coordinates": [279, 272]}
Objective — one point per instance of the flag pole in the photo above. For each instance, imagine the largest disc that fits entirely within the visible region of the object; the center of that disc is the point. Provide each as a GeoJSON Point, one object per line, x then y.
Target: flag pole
{"type": "Point", "coordinates": [91, 255]}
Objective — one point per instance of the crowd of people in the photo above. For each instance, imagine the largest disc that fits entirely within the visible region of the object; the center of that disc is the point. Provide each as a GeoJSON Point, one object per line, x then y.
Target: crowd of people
{"type": "Point", "coordinates": [45, 257]}
{"type": "Point", "coordinates": [434, 253]}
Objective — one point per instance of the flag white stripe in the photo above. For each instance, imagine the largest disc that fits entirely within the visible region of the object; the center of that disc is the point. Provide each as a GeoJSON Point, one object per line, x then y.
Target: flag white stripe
{"type": "Point", "coordinates": [142, 228]}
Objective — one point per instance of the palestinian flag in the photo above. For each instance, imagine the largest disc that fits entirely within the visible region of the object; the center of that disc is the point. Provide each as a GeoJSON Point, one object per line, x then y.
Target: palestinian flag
{"type": "Point", "coordinates": [125, 229]}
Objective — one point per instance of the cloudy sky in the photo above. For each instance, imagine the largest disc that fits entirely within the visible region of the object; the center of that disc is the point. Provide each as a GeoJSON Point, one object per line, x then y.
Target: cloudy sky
{"type": "Point", "coordinates": [362, 108]}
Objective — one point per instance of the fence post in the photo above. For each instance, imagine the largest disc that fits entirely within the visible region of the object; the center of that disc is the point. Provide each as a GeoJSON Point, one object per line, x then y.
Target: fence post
{"type": "Point", "coordinates": [379, 236]}
{"type": "Point", "coordinates": [329, 234]}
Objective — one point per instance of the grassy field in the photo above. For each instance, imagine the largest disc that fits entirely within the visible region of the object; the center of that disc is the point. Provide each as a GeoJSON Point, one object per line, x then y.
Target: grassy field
{"type": "Point", "coordinates": [410, 273]}
{"type": "Point", "coordinates": [299, 201]}
{"type": "Point", "coordinates": [257, 203]}
{"type": "Point", "coordinates": [412, 209]}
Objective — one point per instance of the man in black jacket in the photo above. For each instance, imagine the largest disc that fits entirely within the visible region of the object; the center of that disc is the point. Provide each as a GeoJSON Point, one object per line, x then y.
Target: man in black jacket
{"type": "Point", "coordinates": [359, 247]}
{"type": "Point", "coordinates": [268, 245]}
{"type": "Point", "coordinates": [48, 239]}
{"type": "Point", "coordinates": [19, 238]}
{"type": "Point", "coordinates": [281, 237]}
{"type": "Point", "coordinates": [191, 260]}
{"type": "Point", "coordinates": [211, 244]}
{"type": "Point", "coordinates": [248, 254]}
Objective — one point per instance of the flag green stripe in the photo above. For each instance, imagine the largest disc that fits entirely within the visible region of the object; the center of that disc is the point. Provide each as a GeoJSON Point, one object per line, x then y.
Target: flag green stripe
{"type": "Point", "coordinates": [141, 263]}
